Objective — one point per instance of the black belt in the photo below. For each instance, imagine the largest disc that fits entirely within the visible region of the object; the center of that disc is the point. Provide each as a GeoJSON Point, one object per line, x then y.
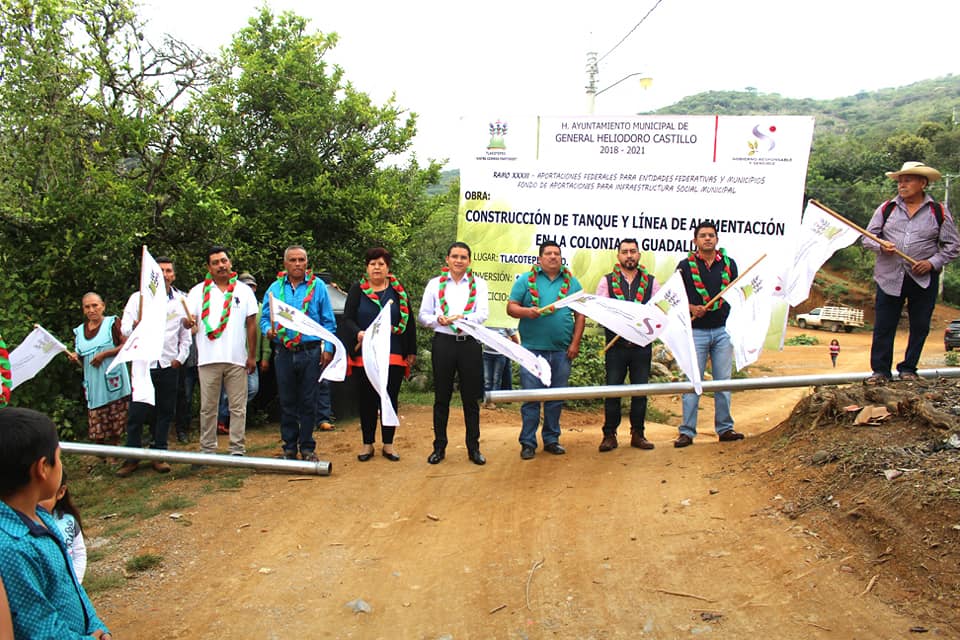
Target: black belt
{"type": "Point", "coordinates": [458, 337]}
{"type": "Point", "coordinates": [303, 346]}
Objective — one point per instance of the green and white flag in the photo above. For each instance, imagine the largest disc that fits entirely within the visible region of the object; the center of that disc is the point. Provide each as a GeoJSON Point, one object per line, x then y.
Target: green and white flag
{"type": "Point", "coordinates": [34, 353]}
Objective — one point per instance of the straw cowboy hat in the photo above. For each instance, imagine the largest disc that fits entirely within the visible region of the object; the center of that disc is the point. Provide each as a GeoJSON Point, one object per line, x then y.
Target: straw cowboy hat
{"type": "Point", "coordinates": [915, 169]}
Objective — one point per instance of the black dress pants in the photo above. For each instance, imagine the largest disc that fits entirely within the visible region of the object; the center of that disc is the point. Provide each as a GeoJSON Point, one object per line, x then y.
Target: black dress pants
{"type": "Point", "coordinates": [462, 356]}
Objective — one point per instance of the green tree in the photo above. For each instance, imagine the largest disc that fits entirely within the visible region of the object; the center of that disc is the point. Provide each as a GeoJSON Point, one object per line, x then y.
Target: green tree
{"type": "Point", "coordinates": [301, 152]}
{"type": "Point", "coordinates": [91, 168]}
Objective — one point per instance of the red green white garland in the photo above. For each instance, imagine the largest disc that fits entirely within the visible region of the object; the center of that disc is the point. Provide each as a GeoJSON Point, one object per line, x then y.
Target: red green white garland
{"type": "Point", "coordinates": [535, 294]}
{"type": "Point", "coordinates": [392, 281]}
{"type": "Point", "coordinates": [698, 281]}
{"type": "Point", "coordinates": [5, 376]}
{"type": "Point", "coordinates": [442, 293]}
{"type": "Point", "coordinates": [641, 289]}
{"type": "Point", "coordinates": [215, 332]}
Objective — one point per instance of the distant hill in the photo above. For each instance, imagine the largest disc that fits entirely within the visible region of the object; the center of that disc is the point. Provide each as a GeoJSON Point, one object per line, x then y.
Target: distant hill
{"type": "Point", "coordinates": [446, 178]}
{"type": "Point", "coordinates": [873, 113]}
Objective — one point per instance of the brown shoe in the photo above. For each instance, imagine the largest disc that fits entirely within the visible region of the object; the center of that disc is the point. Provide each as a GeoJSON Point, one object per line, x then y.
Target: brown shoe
{"type": "Point", "coordinates": [730, 436]}
{"type": "Point", "coordinates": [683, 441]}
{"type": "Point", "coordinates": [161, 467]}
{"type": "Point", "coordinates": [609, 443]}
{"type": "Point", "coordinates": [637, 441]}
{"type": "Point", "coordinates": [127, 469]}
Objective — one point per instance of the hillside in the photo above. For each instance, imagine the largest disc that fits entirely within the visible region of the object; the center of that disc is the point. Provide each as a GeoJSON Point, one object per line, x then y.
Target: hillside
{"type": "Point", "coordinates": [873, 114]}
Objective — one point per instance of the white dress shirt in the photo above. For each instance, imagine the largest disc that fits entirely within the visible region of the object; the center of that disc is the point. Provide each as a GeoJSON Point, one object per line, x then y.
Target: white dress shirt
{"type": "Point", "coordinates": [457, 293]}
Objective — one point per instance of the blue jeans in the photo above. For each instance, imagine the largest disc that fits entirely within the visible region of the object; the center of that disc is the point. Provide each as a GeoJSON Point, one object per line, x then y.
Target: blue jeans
{"type": "Point", "coordinates": [714, 343]}
{"type": "Point", "coordinates": [920, 303]}
{"type": "Point", "coordinates": [253, 387]}
{"type": "Point", "coordinates": [324, 408]}
{"type": "Point", "coordinates": [530, 411]}
{"type": "Point", "coordinates": [297, 374]}
{"type": "Point", "coordinates": [494, 366]}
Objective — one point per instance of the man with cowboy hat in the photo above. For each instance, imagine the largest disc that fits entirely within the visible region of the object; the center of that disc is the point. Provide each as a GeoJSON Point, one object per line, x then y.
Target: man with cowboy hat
{"type": "Point", "coordinates": [918, 226]}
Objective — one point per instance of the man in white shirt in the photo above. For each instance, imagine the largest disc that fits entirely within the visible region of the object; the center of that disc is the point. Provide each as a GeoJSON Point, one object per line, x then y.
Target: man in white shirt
{"type": "Point", "coordinates": [224, 317]}
{"type": "Point", "coordinates": [456, 294]}
{"type": "Point", "coordinates": [164, 372]}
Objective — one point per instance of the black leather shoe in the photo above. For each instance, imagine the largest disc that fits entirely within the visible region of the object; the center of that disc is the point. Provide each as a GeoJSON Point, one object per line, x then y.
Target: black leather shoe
{"type": "Point", "coordinates": [527, 452]}
{"type": "Point", "coordinates": [554, 448]}
{"type": "Point", "coordinates": [363, 457]}
{"type": "Point", "coordinates": [476, 457]}
{"type": "Point", "coordinates": [436, 456]}
{"type": "Point", "coordinates": [392, 457]}
{"type": "Point", "coordinates": [683, 440]}
{"type": "Point", "coordinates": [730, 436]}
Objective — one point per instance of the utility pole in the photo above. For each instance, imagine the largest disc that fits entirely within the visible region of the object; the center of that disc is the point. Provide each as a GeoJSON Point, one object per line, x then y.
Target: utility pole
{"type": "Point", "coordinates": [592, 70]}
{"type": "Point", "coordinates": [946, 187]}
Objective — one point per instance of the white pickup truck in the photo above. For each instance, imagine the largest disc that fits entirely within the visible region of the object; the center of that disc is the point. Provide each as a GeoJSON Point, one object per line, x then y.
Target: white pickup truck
{"type": "Point", "coordinates": [833, 318]}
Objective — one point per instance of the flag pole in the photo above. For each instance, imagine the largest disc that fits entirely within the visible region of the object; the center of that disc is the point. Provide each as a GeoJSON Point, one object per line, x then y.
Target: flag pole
{"type": "Point", "coordinates": [860, 229]}
{"type": "Point", "coordinates": [186, 309]}
{"type": "Point", "coordinates": [735, 281]}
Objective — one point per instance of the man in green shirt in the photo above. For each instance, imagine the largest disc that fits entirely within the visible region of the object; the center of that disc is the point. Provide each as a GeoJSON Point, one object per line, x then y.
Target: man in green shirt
{"type": "Point", "coordinates": [552, 333]}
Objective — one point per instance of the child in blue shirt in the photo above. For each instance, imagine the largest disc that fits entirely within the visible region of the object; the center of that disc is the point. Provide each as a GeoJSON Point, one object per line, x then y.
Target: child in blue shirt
{"type": "Point", "coordinates": [45, 597]}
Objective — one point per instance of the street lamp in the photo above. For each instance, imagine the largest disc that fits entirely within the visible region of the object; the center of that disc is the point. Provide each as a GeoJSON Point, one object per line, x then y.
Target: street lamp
{"type": "Point", "coordinates": [592, 72]}
{"type": "Point", "coordinates": [946, 187]}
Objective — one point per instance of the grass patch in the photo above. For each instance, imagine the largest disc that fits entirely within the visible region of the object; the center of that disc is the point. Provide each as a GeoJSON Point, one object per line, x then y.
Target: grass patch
{"type": "Point", "coordinates": [423, 398]}
{"type": "Point", "coordinates": [656, 415]}
{"type": "Point", "coordinates": [96, 555]}
{"type": "Point", "coordinates": [172, 503]}
{"type": "Point", "coordinates": [144, 563]}
{"type": "Point", "coordinates": [230, 482]}
{"type": "Point", "coordinates": [951, 358]}
{"type": "Point", "coordinates": [802, 340]}
{"type": "Point", "coordinates": [103, 582]}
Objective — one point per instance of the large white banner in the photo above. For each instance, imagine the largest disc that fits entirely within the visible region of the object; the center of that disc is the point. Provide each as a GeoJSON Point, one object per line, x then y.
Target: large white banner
{"type": "Point", "coordinates": [589, 181]}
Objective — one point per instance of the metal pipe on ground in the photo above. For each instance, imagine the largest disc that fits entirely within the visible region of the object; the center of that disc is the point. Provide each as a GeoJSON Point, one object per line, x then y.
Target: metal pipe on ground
{"type": "Point", "coordinates": [320, 468]}
{"type": "Point", "coordinates": [668, 388]}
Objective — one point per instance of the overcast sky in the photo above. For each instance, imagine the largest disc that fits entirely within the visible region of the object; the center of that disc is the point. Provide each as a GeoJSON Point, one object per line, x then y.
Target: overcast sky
{"type": "Point", "coordinates": [497, 58]}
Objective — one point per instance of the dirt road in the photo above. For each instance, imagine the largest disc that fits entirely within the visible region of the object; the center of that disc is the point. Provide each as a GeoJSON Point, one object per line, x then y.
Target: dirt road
{"type": "Point", "coordinates": [661, 544]}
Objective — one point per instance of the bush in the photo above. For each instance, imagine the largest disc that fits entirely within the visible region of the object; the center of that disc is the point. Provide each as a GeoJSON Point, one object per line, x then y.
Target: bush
{"type": "Point", "coordinates": [802, 339]}
{"type": "Point", "coordinates": [588, 369]}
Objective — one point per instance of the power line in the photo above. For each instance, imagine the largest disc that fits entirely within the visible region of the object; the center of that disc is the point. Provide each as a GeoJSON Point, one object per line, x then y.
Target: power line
{"type": "Point", "coordinates": [629, 33]}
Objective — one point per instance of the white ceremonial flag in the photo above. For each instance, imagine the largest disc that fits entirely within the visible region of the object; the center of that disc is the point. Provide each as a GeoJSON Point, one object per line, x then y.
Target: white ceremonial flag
{"type": "Point", "coordinates": [641, 324]}
{"type": "Point", "coordinates": [678, 333]}
{"type": "Point", "coordinates": [751, 307]}
{"type": "Point", "coordinates": [820, 236]}
{"type": "Point", "coordinates": [292, 318]}
{"type": "Point", "coordinates": [537, 365]}
{"type": "Point", "coordinates": [145, 344]}
{"type": "Point", "coordinates": [376, 362]}
{"type": "Point", "coordinates": [34, 353]}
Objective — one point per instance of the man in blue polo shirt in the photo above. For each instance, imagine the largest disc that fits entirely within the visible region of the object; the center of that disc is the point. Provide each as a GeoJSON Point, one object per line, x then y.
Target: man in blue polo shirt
{"type": "Point", "coordinates": [299, 358]}
{"type": "Point", "coordinates": [553, 334]}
